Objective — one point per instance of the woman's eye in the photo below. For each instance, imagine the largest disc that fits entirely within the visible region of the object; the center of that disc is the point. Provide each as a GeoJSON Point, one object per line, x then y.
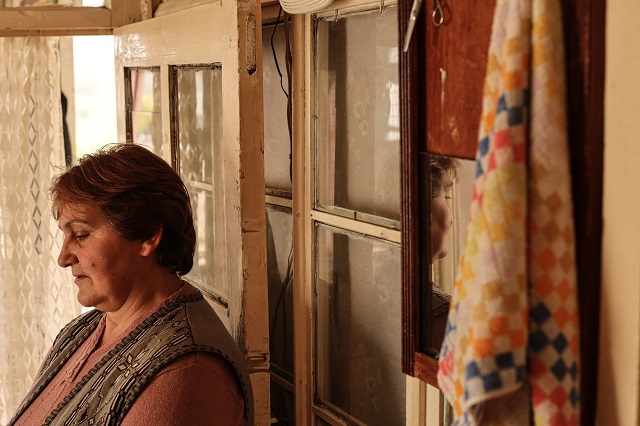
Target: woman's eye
{"type": "Point", "coordinates": [81, 237]}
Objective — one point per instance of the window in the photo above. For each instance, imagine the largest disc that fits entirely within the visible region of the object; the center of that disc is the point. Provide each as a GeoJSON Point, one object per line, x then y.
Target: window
{"type": "Point", "coordinates": [354, 218]}
{"type": "Point", "coordinates": [197, 153]}
{"type": "Point", "coordinates": [210, 122]}
{"type": "Point", "coordinates": [278, 184]}
{"type": "Point", "coordinates": [358, 305]}
{"type": "Point", "coordinates": [144, 109]}
{"type": "Point", "coordinates": [357, 139]}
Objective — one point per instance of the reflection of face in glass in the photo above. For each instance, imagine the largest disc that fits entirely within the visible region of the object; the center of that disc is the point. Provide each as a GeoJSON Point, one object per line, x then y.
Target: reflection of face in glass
{"type": "Point", "coordinates": [443, 172]}
{"type": "Point", "coordinates": [441, 218]}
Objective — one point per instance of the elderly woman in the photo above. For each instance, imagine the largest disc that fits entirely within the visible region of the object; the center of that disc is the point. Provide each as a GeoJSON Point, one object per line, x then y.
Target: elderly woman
{"type": "Point", "coordinates": [152, 352]}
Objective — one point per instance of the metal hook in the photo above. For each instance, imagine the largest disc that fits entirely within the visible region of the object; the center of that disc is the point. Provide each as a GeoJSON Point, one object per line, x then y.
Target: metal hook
{"type": "Point", "coordinates": [437, 15]}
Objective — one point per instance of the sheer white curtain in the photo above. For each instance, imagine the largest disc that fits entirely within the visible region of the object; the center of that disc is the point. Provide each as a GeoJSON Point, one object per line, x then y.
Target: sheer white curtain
{"type": "Point", "coordinates": [36, 296]}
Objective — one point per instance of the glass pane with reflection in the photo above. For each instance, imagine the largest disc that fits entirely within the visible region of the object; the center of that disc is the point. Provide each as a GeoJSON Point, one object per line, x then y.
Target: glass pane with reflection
{"type": "Point", "coordinates": [358, 327]}
{"type": "Point", "coordinates": [282, 405]}
{"type": "Point", "coordinates": [144, 123]}
{"type": "Point", "coordinates": [277, 148]}
{"type": "Point", "coordinates": [358, 136]}
{"type": "Point", "coordinates": [198, 125]}
{"type": "Point", "coordinates": [280, 276]}
{"type": "Point", "coordinates": [446, 185]}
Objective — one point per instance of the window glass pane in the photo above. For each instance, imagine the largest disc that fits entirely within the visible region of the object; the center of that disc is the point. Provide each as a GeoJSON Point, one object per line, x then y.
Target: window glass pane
{"type": "Point", "coordinates": [276, 132]}
{"type": "Point", "coordinates": [144, 124]}
{"type": "Point", "coordinates": [280, 275]}
{"type": "Point", "coordinates": [446, 186]}
{"type": "Point", "coordinates": [198, 125]}
{"type": "Point", "coordinates": [358, 137]}
{"type": "Point", "coordinates": [358, 327]}
{"type": "Point", "coordinates": [282, 405]}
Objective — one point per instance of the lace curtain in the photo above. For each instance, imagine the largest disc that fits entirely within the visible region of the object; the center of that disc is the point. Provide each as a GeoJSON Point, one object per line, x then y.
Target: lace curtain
{"type": "Point", "coordinates": [37, 297]}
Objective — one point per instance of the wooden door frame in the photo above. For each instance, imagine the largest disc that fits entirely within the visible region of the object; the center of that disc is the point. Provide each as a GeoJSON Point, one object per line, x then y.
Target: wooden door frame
{"type": "Point", "coordinates": [198, 36]}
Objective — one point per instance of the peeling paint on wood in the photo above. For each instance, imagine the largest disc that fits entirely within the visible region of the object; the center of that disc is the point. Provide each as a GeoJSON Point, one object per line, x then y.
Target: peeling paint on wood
{"type": "Point", "coordinates": [443, 80]}
{"type": "Point", "coordinates": [251, 44]}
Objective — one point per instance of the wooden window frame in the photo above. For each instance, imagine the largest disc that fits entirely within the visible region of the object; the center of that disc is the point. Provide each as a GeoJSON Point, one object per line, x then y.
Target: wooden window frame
{"type": "Point", "coordinates": [584, 32]}
{"type": "Point", "coordinates": [306, 215]}
{"type": "Point", "coordinates": [74, 20]}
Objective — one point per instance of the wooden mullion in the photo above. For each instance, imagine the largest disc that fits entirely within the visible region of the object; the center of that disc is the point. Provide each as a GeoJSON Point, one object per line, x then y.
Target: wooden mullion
{"type": "Point", "coordinates": [42, 21]}
{"type": "Point", "coordinates": [408, 158]}
{"type": "Point", "coordinates": [302, 225]}
{"type": "Point", "coordinates": [54, 21]}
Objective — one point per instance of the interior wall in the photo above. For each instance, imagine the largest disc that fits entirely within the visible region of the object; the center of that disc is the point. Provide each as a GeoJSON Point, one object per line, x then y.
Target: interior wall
{"type": "Point", "coordinates": [619, 357]}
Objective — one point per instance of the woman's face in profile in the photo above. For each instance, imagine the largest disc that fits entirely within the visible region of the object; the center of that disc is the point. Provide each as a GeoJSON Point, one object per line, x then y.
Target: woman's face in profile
{"type": "Point", "coordinates": [103, 263]}
{"type": "Point", "coordinates": [441, 219]}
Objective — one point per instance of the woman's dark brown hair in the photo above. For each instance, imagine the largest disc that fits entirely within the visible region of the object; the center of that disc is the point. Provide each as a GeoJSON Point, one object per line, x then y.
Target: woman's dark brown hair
{"type": "Point", "coordinates": [441, 166]}
{"type": "Point", "coordinates": [139, 193]}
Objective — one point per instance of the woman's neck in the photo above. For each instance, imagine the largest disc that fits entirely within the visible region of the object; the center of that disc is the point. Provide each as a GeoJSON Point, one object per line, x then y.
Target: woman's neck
{"type": "Point", "coordinates": [139, 303]}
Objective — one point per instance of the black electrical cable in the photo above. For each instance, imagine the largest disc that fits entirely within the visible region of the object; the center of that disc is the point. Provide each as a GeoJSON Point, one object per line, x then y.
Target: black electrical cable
{"type": "Point", "coordinates": [288, 279]}
{"type": "Point", "coordinates": [273, 50]}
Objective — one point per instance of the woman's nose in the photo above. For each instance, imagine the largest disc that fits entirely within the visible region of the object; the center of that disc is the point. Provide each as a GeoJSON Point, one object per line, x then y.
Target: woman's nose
{"type": "Point", "coordinates": [66, 257]}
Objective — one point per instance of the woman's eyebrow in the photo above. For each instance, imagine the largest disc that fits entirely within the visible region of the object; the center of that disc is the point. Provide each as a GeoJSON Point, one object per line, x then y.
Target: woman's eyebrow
{"type": "Point", "coordinates": [72, 222]}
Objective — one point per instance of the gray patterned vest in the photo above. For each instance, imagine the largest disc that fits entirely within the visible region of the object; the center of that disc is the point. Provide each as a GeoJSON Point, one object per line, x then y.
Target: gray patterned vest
{"type": "Point", "coordinates": [105, 394]}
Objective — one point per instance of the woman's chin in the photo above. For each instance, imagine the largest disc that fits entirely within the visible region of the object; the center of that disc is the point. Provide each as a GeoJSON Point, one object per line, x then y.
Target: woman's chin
{"type": "Point", "coordinates": [85, 299]}
{"type": "Point", "coordinates": [440, 255]}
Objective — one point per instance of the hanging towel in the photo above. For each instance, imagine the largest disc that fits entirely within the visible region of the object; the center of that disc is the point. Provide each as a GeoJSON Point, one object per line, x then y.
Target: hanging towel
{"type": "Point", "coordinates": [512, 332]}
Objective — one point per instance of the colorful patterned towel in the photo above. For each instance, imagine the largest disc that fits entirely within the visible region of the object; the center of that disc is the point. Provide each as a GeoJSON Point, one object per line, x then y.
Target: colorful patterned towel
{"type": "Point", "coordinates": [512, 330]}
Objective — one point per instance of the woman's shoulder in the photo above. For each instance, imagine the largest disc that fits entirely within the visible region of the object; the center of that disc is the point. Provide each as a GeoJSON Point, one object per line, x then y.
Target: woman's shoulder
{"type": "Point", "coordinates": [198, 364]}
{"type": "Point", "coordinates": [196, 388]}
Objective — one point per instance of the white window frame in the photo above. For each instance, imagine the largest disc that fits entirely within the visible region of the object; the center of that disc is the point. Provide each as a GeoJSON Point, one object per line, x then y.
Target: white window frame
{"type": "Point", "coordinates": [424, 403]}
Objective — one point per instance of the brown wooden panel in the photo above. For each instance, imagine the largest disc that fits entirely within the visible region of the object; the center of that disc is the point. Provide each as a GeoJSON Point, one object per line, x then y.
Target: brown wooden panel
{"type": "Point", "coordinates": [410, 274]}
{"type": "Point", "coordinates": [459, 47]}
{"type": "Point", "coordinates": [456, 58]}
{"type": "Point", "coordinates": [426, 368]}
{"type": "Point", "coordinates": [411, 96]}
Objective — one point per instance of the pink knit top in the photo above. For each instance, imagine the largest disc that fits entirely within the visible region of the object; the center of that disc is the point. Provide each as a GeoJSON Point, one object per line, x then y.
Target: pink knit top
{"type": "Point", "coordinates": [195, 389]}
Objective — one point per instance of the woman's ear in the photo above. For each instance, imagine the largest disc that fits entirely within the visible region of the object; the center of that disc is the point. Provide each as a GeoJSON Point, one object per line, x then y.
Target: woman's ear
{"type": "Point", "coordinates": [150, 245]}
